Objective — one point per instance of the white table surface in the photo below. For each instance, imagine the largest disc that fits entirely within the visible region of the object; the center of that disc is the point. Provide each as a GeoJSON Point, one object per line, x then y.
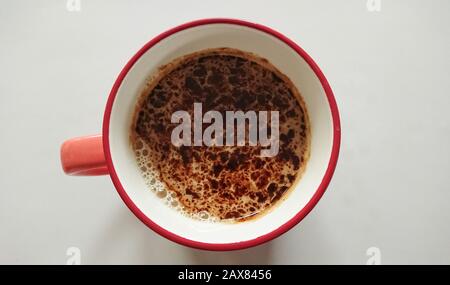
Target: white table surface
{"type": "Point", "coordinates": [390, 74]}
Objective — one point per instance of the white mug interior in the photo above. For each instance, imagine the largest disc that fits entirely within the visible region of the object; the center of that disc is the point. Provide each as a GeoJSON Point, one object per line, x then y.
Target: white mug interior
{"type": "Point", "coordinates": [191, 40]}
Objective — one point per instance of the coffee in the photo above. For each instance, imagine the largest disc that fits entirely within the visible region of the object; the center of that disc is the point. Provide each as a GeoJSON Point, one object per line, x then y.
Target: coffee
{"type": "Point", "coordinates": [219, 180]}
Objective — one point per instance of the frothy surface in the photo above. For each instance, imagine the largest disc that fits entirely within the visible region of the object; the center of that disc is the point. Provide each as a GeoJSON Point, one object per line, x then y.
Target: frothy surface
{"type": "Point", "coordinates": [220, 182]}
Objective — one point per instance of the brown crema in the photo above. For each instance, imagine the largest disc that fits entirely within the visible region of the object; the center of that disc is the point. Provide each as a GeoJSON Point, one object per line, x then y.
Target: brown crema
{"type": "Point", "coordinates": [221, 182]}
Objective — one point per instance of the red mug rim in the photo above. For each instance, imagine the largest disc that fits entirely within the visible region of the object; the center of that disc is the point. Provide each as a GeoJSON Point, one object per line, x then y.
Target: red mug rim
{"type": "Point", "coordinates": [242, 244]}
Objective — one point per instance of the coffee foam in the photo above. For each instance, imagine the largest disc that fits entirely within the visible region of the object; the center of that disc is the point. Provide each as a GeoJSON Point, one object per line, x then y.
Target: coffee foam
{"type": "Point", "coordinates": [153, 182]}
{"type": "Point", "coordinates": [219, 183]}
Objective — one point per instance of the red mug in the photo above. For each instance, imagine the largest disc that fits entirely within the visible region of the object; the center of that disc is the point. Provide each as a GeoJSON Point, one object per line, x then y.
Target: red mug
{"type": "Point", "coordinates": [110, 153]}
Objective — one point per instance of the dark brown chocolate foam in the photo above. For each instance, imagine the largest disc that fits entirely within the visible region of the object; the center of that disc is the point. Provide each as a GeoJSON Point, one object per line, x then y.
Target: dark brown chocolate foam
{"type": "Point", "coordinates": [221, 182]}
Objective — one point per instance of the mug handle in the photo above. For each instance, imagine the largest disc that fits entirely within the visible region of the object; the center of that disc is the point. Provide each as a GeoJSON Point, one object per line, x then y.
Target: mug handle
{"type": "Point", "coordinates": [84, 156]}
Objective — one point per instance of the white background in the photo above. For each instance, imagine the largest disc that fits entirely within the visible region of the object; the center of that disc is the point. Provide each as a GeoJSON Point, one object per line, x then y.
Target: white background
{"type": "Point", "coordinates": [390, 74]}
